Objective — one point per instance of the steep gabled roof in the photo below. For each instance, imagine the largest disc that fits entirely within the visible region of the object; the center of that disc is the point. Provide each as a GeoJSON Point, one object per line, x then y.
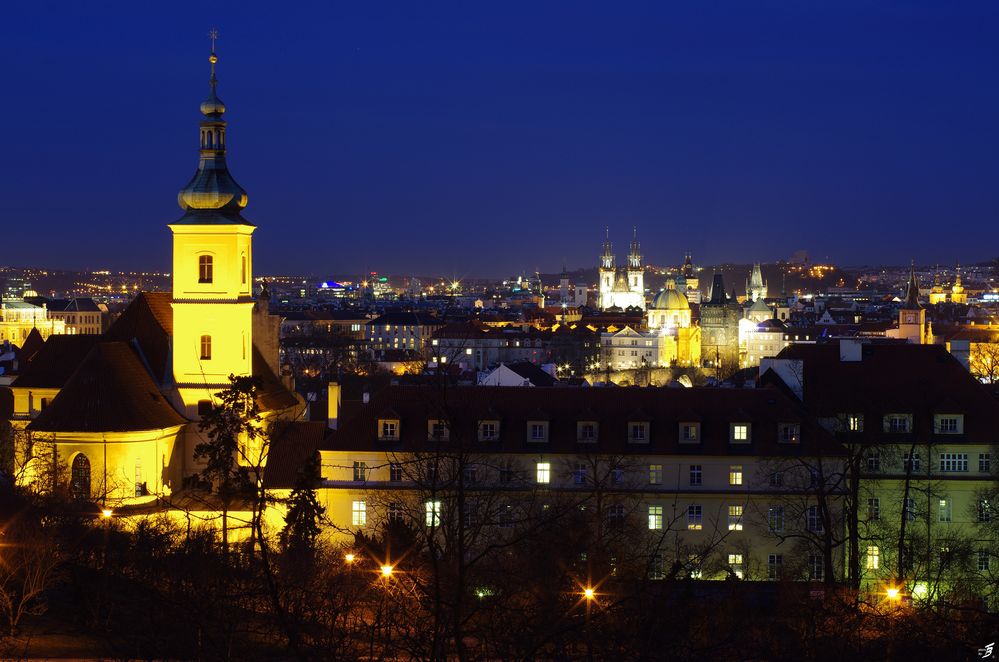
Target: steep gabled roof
{"type": "Point", "coordinates": [55, 361]}
{"type": "Point", "coordinates": [894, 378]}
{"type": "Point", "coordinates": [292, 445]}
{"type": "Point", "coordinates": [110, 391]}
{"type": "Point", "coordinates": [612, 408]}
{"type": "Point", "coordinates": [148, 321]}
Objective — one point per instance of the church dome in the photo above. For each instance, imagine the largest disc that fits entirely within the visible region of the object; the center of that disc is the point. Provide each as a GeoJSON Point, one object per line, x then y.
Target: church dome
{"type": "Point", "coordinates": [212, 195]}
{"type": "Point", "coordinates": [670, 298]}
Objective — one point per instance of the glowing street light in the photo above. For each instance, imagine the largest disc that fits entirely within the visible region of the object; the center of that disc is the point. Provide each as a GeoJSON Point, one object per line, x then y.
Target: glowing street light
{"type": "Point", "coordinates": [589, 593]}
{"type": "Point", "coordinates": [348, 557]}
{"type": "Point", "coordinates": [386, 571]}
{"type": "Point", "coordinates": [893, 594]}
{"type": "Point", "coordinates": [107, 513]}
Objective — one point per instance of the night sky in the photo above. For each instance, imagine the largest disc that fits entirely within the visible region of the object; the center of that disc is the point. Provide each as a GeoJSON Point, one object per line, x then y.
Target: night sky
{"type": "Point", "coordinates": [486, 139]}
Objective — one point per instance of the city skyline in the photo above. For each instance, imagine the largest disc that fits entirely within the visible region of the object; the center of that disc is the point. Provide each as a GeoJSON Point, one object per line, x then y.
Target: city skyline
{"type": "Point", "coordinates": [526, 147]}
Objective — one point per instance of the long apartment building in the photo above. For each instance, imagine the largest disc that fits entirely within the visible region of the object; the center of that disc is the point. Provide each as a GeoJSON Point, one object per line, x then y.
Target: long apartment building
{"type": "Point", "coordinates": [705, 483]}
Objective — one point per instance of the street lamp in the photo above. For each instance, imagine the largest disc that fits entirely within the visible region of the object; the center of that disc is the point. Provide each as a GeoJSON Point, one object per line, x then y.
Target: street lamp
{"type": "Point", "coordinates": [106, 513]}
{"type": "Point", "coordinates": [348, 557]}
{"type": "Point", "coordinates": [386, 571]}
{"type": "Point", "coordinates": [893, 594]}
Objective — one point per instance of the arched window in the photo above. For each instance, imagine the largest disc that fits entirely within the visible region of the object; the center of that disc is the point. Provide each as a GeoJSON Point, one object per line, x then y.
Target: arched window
{"type": "Point", "coordinates": [79, 485]}
{"type": "Point", "coordinates": [243, 269]}
{"type": "Point", "coordinates": [206, 268]}
{"type": "Point", "coordinates": [206, 348]}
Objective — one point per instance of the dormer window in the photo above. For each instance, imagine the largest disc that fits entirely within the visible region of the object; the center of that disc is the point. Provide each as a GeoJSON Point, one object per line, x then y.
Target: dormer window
{"type": "Point", "coordinates": [739, 433]}
{"type": "Point", "coordinates": [437, 430]}
{"type": "Point", "coordinates": [537, 431]}
{"type": "Point", "coordinates": [488, 430]}
{"type": "Point", "coordinates": [789, 433]}
{"type": "Point", "coordinates": [638, 432]}
{"type": "Point", "coordinates": [690, 433]}
{"type": "Point", "coordinates": [898, 423]}
{"type": "Point", "coordinates": [948, 423]}
{"type": "Point", "coordinates": [586, 432]}
{"type": "Point", "coordinates": [388, 429]}
{"type": "Point", "coordinates": [854, 422]}
{"type": "Point", "coordinates": [206, 268]}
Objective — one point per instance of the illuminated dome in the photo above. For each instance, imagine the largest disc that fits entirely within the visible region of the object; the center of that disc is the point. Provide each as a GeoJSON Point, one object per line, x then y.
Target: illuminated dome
{"type": "Point", "coordinates": [670, 298]}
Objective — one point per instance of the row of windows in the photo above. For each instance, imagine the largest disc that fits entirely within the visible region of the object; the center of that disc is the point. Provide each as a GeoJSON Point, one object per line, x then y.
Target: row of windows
{"type": "Point", "coordinates": [945, 510]}
{"type": "Point", "coordinates": [902, 423]}
{"type": "Point", "coordinates": [736, 563]}
{"type": "Point", "coordinates": [587, 431]}
{"type": "Point", "coordinates": [543, 474]}
{"type": "Point", "coordinates": [948, 462]}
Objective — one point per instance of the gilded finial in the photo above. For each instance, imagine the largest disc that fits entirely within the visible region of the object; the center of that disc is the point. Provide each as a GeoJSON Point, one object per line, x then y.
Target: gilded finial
{"type": "Point", "coordinates": [213, 34]}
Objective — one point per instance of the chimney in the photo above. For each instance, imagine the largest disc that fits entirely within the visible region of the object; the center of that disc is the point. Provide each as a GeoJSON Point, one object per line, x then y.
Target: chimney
{"type": "Point", "coordinates": [334, 405]}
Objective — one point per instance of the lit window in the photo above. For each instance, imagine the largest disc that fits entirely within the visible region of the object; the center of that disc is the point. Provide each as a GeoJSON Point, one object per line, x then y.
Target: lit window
{"type": "Point", "coordinates": [945, 513]}
{"type": "Point", "coordinates": [695, 515]}
{"type": "Point", "coordinates": [689, 433]}
{"type": "Point", "coordinates": [735, 518]}
{"type": "Point", "coordinates": [696, 474]}
{"type": "Point", "coordinates": [873, 557]}
{"type": "Point", "coordinates": [433, 510]}
{"type": "Point", "coordinates": [358, 513]}
{"type": "Point", "coordinates": [735, 562]}
{"type": "Point", "coordinates": [544, 472]}
{"type": "Point", "coordinates": [388, 429]}
{"type": "Point", "coordinates": [206, 268]}
{"type": "Point", "coordinates": [735, 475]}
{"type": "Point", "coordinates": [206, 348]}
{"type": "Point", "coordinates": [740, 432]}
{"type": "Point", "coordinates": [655, 518]}
{"type": "Point", "coordinates": [655, 474]}
{"type": "Point", "coordinates": [855, 423]}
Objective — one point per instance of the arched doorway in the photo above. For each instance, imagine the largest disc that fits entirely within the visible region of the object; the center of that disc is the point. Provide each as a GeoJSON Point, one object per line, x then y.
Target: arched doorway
{"type": "Point", "coordinates": [79, 484]}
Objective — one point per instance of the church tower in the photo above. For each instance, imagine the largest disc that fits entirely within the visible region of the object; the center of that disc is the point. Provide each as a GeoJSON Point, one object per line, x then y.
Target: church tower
{"type": "Point", "coordinates": [607, 271]}
{"type": "Point", "coordinates": [212, 269]}
{"type": "Point", "coordinates": [636, 275]}
{"type": "Point", "coordinates": [912, 316]}
{"type": "Point", "coordinates": [957, 293]}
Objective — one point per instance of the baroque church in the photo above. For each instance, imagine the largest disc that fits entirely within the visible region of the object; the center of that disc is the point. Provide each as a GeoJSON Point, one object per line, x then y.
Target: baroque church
{"type": "Point", "coordinates": [119, 412]}
{"type": "Point", "coordinates": [621, 288]}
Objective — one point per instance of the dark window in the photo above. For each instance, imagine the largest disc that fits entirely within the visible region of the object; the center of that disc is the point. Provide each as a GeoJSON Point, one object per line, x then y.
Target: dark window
{"type": "Point", "coordinates": [204, 407]}
{"type": "Point", "coordinates": [80, 479]}
{"type": "Point", "coordinates": [395, 472]}
{"type": "Point", "coordinates": [206, 268]}
{"type": "Point", "coordinates": [206, 348]}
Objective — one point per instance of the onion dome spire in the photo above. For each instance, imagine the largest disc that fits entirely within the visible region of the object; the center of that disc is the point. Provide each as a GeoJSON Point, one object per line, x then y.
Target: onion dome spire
{"type": "Point", "coordinates": [212, 196]}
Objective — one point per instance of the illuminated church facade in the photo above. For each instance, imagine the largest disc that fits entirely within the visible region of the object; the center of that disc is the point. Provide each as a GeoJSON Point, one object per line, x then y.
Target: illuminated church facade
{"type": "Point", "coordinates": [621, 288]}
{"type": "Point", "coordinates": [118, 414]}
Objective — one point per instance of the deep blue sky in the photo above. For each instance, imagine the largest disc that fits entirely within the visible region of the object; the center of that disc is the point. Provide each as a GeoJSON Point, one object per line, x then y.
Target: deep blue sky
{"type": "Point", "coordinates": [474, 138]}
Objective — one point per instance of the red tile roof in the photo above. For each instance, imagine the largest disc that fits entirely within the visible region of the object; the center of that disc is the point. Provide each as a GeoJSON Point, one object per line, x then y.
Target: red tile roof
{"type": "Point", "coordinates": [292, 445]}
{"type": "Point", "coordinates": [110, 391]}
{"type": "Point", "coordinates": [55, 361]}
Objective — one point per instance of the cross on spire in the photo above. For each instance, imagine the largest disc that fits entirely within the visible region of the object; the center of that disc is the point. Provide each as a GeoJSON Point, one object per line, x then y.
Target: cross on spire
{"type": "Point", "coordinates": [213, 34]}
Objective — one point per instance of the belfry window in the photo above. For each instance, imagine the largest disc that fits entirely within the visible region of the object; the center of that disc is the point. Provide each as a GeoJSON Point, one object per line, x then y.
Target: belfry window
{"type": "Point", "coordinates": [206, 348]}
{"type": "Point", "coordinates": [242, 270]}
{"type": "Point", "coordinates": [206, 268]}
